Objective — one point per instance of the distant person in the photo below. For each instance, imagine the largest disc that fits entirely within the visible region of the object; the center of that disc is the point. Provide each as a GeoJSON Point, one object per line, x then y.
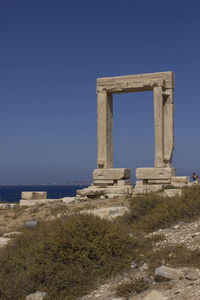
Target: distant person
{"type": "Point", "coordinates": [194, 177]}
{"type": "Point", "coordinates": [197, 179]}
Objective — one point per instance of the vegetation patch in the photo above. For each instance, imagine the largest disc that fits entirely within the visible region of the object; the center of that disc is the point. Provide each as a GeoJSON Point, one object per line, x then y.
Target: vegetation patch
{"type": "Point", "coordinates": [70, 256]}
{"type": "Point", "coordinates": [128, 287]}
{"type": "Point", "coordinates": [152, 211]}
{"type": "Point", "coordinates": [65, 258]}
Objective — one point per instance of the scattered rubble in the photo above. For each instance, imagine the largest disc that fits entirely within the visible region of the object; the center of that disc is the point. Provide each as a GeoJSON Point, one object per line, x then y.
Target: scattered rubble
{"type": "Point", "coordinates": [107, 212]}
{"type": "Point", "coordinates": [36, 296]}
{"type": "Point", "coordinates": [169, 273]}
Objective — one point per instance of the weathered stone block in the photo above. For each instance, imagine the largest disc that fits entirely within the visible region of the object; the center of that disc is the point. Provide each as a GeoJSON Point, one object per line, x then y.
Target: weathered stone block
{"type": "Point", "coordinates": [113, 174]}
{"type": "Point", "coordinates": [169, 273]}
{"type": "Point", "coordinates": [68, 200]}
{"type": "Point", "coordinates": [180, 179]}
{"type": "Point", "coordinates": [155, 173]}
{"type": "Point", "coordinates": [103, 182]}
{"type": "Point", "coordinates": [159, 181]}
{"type": "Point", "coordinates": [23, 202]}
{"type": "Point", "coordinates": [118, 190]}
{"type": "Point", "coordinates": [147, 188]}
{"type": "Point", "coordinates": [124, 182]}
{"type": "Point", "coordinates": [140, 190]}
{"type": "Point", "coordinates": [34, 195]}
{"type": "Point", "coordinates": [91, 192]}
{"type": "Point", "coordinates": [139, 183]}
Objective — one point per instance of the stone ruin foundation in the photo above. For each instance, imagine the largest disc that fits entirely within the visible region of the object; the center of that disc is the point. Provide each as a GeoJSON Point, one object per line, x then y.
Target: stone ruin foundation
{"type": "Point", "coordinates": [109, 181]}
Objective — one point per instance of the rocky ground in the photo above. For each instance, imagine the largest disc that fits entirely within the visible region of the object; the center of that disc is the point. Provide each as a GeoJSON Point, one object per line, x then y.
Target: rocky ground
{"type": "Point", "coordinates": [187, 234]}
{"type": "Point", "coordinates": [187, 288]}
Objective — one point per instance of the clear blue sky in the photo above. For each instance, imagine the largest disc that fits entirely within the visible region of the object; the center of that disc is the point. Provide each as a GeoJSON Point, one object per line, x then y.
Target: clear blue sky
{"type": "Point", "coordinates": [51, 53]}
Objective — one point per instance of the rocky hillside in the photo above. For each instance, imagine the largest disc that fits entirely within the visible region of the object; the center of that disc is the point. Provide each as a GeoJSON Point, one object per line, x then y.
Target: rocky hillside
{"type": "Point", "coordinates": [166, 258]}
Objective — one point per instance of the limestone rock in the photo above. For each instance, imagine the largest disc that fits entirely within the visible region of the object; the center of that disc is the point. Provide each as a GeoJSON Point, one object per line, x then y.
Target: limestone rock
{"type": "Point", "coordinates": [133, 265]}
{"type": "Point", "coordinates": [155, 173]}
{"type": "Point", "coordinates": [139, 183]}
{"type": "Point", "coordinates": [180, 179]}
{"type": "Point", "coordinates": [4, 241]}
{"type": "Point", "coordinates": [4, 205]}
{"type": "Point", "coordinates": [192, 275]}
{"type": "Point", "coordinates": [103, 182]}
{"type": "Point", "coordinates": [68, 199]}
{"type": "Point", "coordinates": [36, 296]}
{"type": "Point", "coordinates": [155, 295]}
{"type": "Point", "coordinates": [169, 273]}
{"type": "Point", "coordinates": [172, 192]}
{"type": "Point", "coordinates": [111, 174]}
{"type": "Point", "coordinates": [90, 192]}
{"type": "Point", "coordinates": [124, 182]}
{"type": "Point", "coordinates": [33, 195]}
{"type": "Point", "coordinates": [147, 188]}
{"type": "Point", "coordinates": [159, 181]}
{"type": "Point", "coordinates": [11, 234]}
{"type": "Point", "coordinates": [107, 212]}
{"type": "Point", "coordinates": [23, 202]}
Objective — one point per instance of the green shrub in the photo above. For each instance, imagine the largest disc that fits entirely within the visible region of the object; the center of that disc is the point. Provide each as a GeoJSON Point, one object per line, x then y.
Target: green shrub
{"type": "Point", "coordinates": [152, 211]}
{"type": "Point", "coordinates": [65, 258]}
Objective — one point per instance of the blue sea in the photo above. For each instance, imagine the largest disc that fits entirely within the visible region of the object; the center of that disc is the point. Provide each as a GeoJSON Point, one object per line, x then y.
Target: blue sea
{"type": "Point", "coordinates": [12, 193]}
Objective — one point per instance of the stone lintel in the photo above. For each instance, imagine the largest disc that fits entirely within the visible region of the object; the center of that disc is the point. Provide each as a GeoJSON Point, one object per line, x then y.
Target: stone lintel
{"type": "Point", "coordinates": [155, 173]}
{"type": "Point", "coordinates": [34, 195]}
{"type": "Point", "coordinates": [111, 174]}
{"type": "Point", "coordinates": [135, 83]}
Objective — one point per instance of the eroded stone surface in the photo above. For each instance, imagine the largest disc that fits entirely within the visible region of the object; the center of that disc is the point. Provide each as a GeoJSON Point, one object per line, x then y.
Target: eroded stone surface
{"type": "Point", "coordinates": [108, 212]}
{"type": "Point", "coordinates": [36, 296]}
{"type": "Point", "coordinates": [155, 173]}
{"type": "Point", "coordinates": [10, 234]}
{"type": "Point", "coordinates": [180, 179]}
{"type": "Point", "coordinates": [111, 174]}
{"type": "Point", "coordinates": [4, 241]}
{"type": "Point", "coordinates": [172, 192]}
{"type": "Point", "coordinates": [33, 195]}
{"type": "Point", "coordinates": [169, 273]}
{"type": "Point", "coordinates": [155, 295]}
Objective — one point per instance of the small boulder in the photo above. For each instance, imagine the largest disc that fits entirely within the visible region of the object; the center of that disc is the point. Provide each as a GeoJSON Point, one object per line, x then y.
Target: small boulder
{"type": "Point", "coordinates": [192, 275]}
{"type": "Point", "coordinates": [169, 273]}
{"type": "Point", "coordinates": [36, 296]}
{"type": "Point", "coordinates": [154, 295]}
{"type": "Point", "coordinates": [4, 241]}
{"type": "Point", "coordinates": [10, 234]}
{"type": "Point", "coordinates": [107, 212]}
{"type": "Point", "coordinates": [68, 200]}
{"type": "Point", "coordinates": [133, 265]}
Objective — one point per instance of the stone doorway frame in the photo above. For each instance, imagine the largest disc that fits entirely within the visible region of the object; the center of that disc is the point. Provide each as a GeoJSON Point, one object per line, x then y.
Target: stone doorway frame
{"type": "Point", "coordinates": [162, 84]}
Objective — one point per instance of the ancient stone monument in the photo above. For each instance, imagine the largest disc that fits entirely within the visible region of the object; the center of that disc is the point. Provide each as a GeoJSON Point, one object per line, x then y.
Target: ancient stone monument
{"type": "Point", "coordinates": [110, 181]}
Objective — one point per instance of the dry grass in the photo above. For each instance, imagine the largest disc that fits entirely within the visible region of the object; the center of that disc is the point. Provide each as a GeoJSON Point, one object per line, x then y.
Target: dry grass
{"type": "Point", "coordinates": [152, 211]}
{"type": "Point", "coordinates": [67, 257]}
{"type": "Point", "coordinates": [128, 287]}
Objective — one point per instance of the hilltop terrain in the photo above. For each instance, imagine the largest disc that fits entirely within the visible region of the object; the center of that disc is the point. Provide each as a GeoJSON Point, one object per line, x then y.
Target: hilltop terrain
{"type": "Point", "coordinates": [121, 250]}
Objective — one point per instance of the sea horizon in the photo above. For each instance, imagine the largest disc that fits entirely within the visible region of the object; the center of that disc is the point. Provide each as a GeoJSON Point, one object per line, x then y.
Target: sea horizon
{"type": "Point", "coordinates": [12, 193]}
